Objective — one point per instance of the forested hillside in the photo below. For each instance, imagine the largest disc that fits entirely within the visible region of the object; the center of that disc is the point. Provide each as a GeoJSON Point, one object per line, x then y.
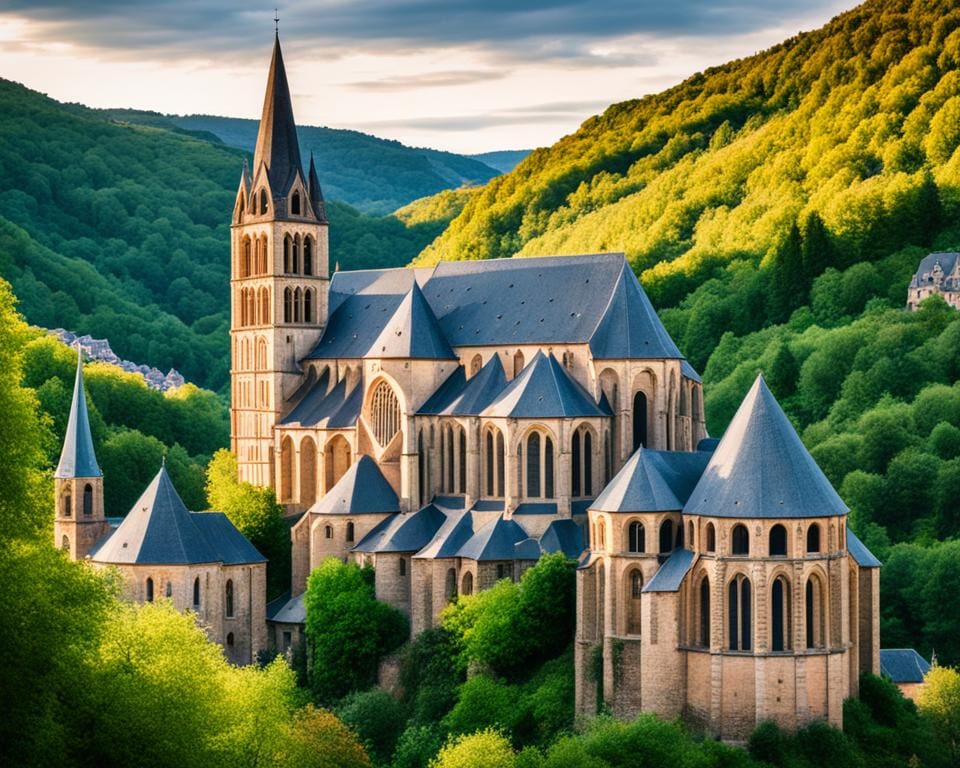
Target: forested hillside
{"type": "Point", "coordinates": [774, 209]}
{"type": "Point", "coordinates": [373, 174]}
{"type": "Point", "coordinates": [122, 231]}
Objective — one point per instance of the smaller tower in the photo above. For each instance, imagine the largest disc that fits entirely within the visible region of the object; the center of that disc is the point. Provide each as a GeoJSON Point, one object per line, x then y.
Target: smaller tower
{"type": "Point", "coordinates": [79, 521]}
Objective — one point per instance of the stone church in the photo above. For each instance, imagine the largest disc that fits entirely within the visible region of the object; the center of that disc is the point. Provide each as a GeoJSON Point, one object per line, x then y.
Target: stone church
{"type": "Point", "coordinates": [451, 424]}
{"type": "Point", "coordinates": [198, 560]}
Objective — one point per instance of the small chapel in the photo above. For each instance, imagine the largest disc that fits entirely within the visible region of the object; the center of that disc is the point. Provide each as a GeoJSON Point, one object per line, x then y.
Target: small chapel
{"type": "Point", "coordinates": [449, 425]}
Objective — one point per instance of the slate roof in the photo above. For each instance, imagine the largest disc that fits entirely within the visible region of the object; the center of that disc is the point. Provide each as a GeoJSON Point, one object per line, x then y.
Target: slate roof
{"type": "Point", "coordinates": [277, 145]}
{"type": "Point", "coordinates": [412, 332]}
{"type": "Point", "coordinates": [903, 665]}
{"type": "Point", "coordinates": [159, 530]}
{"type": "Point", "coordinates": [458, 396]}
{"type": "Point", "coordinates": [319, 408]}
{"type": "Point", "coordinates": [77, 458]}
{"type": "Point", "coordinates": [593, 299]}
{"type": "Point", "coordinates": [689, 372]}
{"type": "Point", "coordinates": [404, 533]}
{"type": "Point", "coordinates": [287, 610]}
{"type": "Point", "coordinates": [544, 390]}
{"type": "Point", "coordinates": [761, 469]}
{"type": "Point", "coordinates": [670, 575]}
{"type": "Point", "coordinates": [456, 531]}
{"type": "Point", "coordinates": [362, 490]}
{"type": "Point", "coordinates": [653, 481]}
{"type": "Point", "coordinates": [948, 263]}
{"type": "Point", "coordinates": [630, 327]}
{"type": "Point", "coordinates": [494, 541]}
{"type": "Point", "coordinates": [858, 550]}
{"type": "Point", "coordinates": [563, 536]}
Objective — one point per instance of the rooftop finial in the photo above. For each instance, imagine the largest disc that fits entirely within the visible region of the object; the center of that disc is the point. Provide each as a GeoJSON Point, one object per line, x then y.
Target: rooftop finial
{"type": "Point", "coordinates": [276, 22]}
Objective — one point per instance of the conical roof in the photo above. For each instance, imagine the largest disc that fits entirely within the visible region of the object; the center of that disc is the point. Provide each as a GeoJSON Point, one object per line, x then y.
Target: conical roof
{"type": "Point", "coordinates": [630, 327]}
{"type": "Point", "coordinates": [761, 469]}
{"type": "Point", "coordinates": [494, 541]}
{"type": "Point", "coordinates": [638, 487]}
{"type": "Point", "coordinates": [412, 332]}
{"type": "Point", "coordinates": [458, 396]}
{"type": "Point", "coordinates": [277, 145]}
{"type": "Point", "coordinates": [544, 390]}
{"type": "Point", "coordinates": [159, 530]}
{"type": "Point", "coordinates": [362, 490]}
{"type": "Point", "coordinates": [77, 458]}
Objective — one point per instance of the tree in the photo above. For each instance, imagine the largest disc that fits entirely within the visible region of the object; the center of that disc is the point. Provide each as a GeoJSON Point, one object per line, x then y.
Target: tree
{"type": "Point", "coordinates": [342, 612]}
{"type": "Point", "coordinates": [940, 702]}
{"type": "Point", "coordinates": [788, 285]}
{"type": "Point", "coordinates": [484, 749]}
{"type": "Point", "coordinates": [316, 739]}
{"type": "Point", "coordinates": [377, 718]}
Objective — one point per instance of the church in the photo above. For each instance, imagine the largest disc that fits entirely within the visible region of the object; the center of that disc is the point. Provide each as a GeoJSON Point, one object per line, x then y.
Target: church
{"type": "Point", "coordinates": [449, 425]}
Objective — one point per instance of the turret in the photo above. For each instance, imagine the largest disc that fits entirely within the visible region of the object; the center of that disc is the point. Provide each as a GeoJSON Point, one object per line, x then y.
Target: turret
{"type": "Point", "coordinates": [79, 521]}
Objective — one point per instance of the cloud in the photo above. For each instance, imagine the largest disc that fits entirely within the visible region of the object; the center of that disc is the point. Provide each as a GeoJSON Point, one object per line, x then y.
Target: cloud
{"type": "Point", "coordinates": [534, 114]}
{"type": "Point", "coordinates": [536, 29]}
{"type": "Point", "coordinates": [429, 80]}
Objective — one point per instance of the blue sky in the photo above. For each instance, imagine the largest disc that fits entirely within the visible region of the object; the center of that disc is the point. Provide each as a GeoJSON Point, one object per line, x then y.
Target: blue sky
{"type": "Point", "coordinates": [453, 74]}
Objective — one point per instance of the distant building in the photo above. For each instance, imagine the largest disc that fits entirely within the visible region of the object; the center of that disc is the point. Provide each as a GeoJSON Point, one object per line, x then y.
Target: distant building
{"type": "Point", "coordinates": [938, 273]}
{"type": "Point", "coordinates": [198, 560]}
{"type": "Point", "coordinates": [906, 669]}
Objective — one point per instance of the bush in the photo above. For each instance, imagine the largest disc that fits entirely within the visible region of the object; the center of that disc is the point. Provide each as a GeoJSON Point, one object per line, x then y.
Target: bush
{"type": "Point", "coordinates": [485, 749]}
{"type": "Point", "coordinates": [378, 720]}
{"type": "Point", "coordinates": [417, 746]}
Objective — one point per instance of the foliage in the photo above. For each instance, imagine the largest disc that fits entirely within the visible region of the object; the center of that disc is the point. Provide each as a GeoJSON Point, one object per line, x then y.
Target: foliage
{"type": "Point", "coordinates": [256, 514]}
{"type": "Point", "coordinates": [430, 675]}
{"type": "Point", "coordinates": [377, 718]}
{"type": "Point", "coordinates": [343, 613]}
{"type": "Point", "coordinates": [417, 746]}
{"type": "Point", "coordinates": [484, 749]}
{"type": "Point", "coordinates": [512, 627]}
{"type": "Point", "coordinates": [940, 702]}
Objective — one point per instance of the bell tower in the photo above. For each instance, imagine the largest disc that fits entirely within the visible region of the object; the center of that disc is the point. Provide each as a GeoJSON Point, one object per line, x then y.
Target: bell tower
{"type": "Point", "coordinates": [79, 522]}
{"type": "Point", "coordinates": [279, 278]}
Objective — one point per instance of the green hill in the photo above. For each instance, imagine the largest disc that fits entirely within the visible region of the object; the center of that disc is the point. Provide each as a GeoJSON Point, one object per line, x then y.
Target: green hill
{"type": "Point", "coordinates": [122, 230]}
{"type": "Point", "coordinates": [504, 160]}
{"type": "Point", "coordinates": [373, 174]}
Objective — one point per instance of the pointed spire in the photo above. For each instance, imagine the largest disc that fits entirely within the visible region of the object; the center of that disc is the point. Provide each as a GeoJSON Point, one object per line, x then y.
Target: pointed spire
{"type": "Point", "coordinates": [277, 144]}
{"type": "Point", "coordinates": [316, 194]}
{"type": "Point", "coordinates": [77, 458]}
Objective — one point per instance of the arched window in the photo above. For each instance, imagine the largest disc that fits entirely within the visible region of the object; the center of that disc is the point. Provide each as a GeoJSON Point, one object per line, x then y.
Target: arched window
{"type": "Point", "coordinates": [704, 638]}
{"type": "Point", "coordinates": [286, 470]}
{"type": "Point", "coordinates": [350, 533]}
{"type": "Point", "coordinates": [149, 590]}
{"type": "Point", "coordinates": [491, 463]}
{"type": "Point", "coordinates": [463, 461]}
{"type": "Point", "coordinates": [501, 459]}
{"type": "Point", "coordinates": [607, 458]}
{"type": "Point", "coordinates": [450, 589]}
{"type": "Point", "coordinates": [67, 505]}
{"type": "Point", "coordinates": [813, 539]}
{"type": "Point", "coordinates": [741, 540]}
{"type": "Point", "coordinates": [287, 254]}
{"type": "Point", "coordinates": [245, 258]}
{"type": "Point", "coordinates": [548, 468]}
{"type": "Point", "coordinates": [451, 467]}
{"type": "Point", "coordinates": [639, 420]}
{"type": "Point", "coordinates": [308, 472]}
{"type": "Point", "coordinates": [636, 537]}
{"type": "Point", "coordinates": [230, 639]}
{"type": "Point", "coordinates": [467, 587]}
{"type": "Point", "coordinates": [576, 461]}
{"type": "Point", "coordinates": [336, 460]}
{"type": "Point", "coordinates": [533, 465]}
{"type": "Point", "coordinates": [780, 615]}
{"type": "Point", "coordinates": [384, 413]}
{"type": "Point", "coordinates": [308, 255]}
{"type": "Point", "coordinates": [169, 589]}
{"type": "Point", "coordinates": [196, 593]}
{"type": "Point", "coordinates": [243, 206]}
{"type": "Point", "coordinates": [582, 461]}
{"type": "Point", "coordinates": [666, 536]}
{"type": "Point", "coordinates": [328, 531]}
{"type": "Point", "coordinates": [295, 204]}
{"type": "Point", "coordinates": [421, 469]}
{"type": "Point", "coordinates": [402, 566]}
{"type": "Point", "coordinates": [296, 254]}
{"type": "Point", "coordinates": [264, 251]}
{"type": "Point", "coordinates": [690, 533]}
{"type": "Point", "coordinates": [739, 613]}
{"type": "Point", "coordinates": [475, 365]}
{"type": "Point", "coordinates": [263, 202]}
{"type": "Point", "coordinates": [778, 541]}
{"type": "Point", "coordinates": [601, 542]}
{"type": "Point", "coordinates": [229, 598]}
{"type": "Point", "coordinates": [297, 305]}
{"type": "Point", "coordinates": [814, 614]}
{"type": "Point", "coordinates": [65, 544]}
{"type": "Point", "coordinates": [265, 313]}
{"type": "Point", "coordinates": [287, 305]}
{"type": "Point", "coordinates": [634, 623]}
{"type": "Point", "coordinates": [517, 363]}
{"type": "Point", "coordinates": [711, 538]}
{"type": "Point", "coordinates": [308, 305]}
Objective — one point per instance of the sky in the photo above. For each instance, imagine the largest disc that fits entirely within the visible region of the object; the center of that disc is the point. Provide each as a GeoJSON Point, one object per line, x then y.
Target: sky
{"type": "Point", "coordinates": [460, 75]}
